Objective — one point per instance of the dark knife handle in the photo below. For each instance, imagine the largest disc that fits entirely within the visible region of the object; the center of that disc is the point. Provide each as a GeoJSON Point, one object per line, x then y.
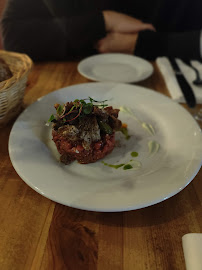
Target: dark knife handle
{"type": "Point", "coordinates": [184, 85]}
{"type": "Point", "coordinates": [187, 91]}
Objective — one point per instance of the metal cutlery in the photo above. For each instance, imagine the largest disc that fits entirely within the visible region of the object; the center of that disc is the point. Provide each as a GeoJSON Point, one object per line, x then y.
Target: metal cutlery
{"type": "Point", "coordinates": [184, 85]}
{"type": "Point", "coordinates": [198, 80]}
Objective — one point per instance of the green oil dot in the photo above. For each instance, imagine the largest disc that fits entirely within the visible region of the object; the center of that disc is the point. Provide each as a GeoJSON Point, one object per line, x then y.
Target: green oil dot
{"type": "Point", "coordinates": [127, 167]}
{"type": "Point", "coordinates": [134, 154]}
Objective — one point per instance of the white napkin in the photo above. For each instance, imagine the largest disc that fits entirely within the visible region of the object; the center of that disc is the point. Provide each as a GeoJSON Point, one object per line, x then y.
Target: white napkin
{"type": "Point", "coordinates": [192, 247]}
{"type": "Point", "coordinates": [171, 82]}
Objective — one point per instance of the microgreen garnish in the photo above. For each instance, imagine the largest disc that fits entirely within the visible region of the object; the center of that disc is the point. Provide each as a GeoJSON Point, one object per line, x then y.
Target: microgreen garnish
{"type": "Point", "coordinates": [60, 109]}
{"type": "Point", "coordinates": [102, 103]}
{"type": "Point", "coordinates": [76, 115]}
{"type": "Point", "coordinates": [87, 108]}
{"type": "Point", "coordinates": [52, 117]}
{"type": "Point", "coordinates": [80, 106]}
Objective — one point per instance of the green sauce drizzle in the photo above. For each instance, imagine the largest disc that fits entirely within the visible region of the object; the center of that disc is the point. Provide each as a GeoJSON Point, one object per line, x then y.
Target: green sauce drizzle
{"type": "Point", "coordinates": [127, 167]}
{"type": "Point", "coordinates": [125, 133]}
{"type": "Point", "coordinates": [113, 166]}
{"type": "Point", "coordinates": [132, 164]}
{"type": "Point", "coordinates": [134, 154]}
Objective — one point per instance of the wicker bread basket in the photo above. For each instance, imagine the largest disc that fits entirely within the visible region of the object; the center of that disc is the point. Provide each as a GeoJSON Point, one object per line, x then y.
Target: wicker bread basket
{"type": "Point", "coordinates": [12, 90]}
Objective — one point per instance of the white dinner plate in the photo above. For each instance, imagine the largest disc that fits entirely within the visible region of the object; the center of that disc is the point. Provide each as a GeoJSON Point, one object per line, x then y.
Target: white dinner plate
{"type": "Point", "coordinates": [115, 67]}
{"type": "Point", "coordinates": [98, 187]}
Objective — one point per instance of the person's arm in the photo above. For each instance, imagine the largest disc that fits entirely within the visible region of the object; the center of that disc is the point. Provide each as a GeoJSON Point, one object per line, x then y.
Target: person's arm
{"type": "Point", "coordinates": [150, 44]}
{"type": "Point", "coordinates": [122, 32]}
{"type": "Point", "coordinates": [129, 35]}
{"type": "Point", "coordinates": [52, 38]}
{"type": "Point", "coordinates": [117, 43]}
{"type": "Point", "coordinates": [184, 45]}
{"type": "Point", "coordinates": [122, 23]}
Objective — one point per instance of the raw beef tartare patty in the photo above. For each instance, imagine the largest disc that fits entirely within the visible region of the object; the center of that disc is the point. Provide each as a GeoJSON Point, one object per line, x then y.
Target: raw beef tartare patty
{"type": "Point", "coordinates": [84, 130]}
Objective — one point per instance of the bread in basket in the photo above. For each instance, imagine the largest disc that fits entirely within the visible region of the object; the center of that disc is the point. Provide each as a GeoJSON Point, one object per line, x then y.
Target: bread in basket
{"type": "Point", "coordinates": [14, 69]}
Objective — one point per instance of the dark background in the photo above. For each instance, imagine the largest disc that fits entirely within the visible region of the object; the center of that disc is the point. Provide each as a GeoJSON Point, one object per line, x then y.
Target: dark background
{"type": "Point", "coordinates": [2, 5]}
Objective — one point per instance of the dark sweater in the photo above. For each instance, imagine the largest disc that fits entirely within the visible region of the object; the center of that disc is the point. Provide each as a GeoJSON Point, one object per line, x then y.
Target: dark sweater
{"type": "Point", "coordinates": [62, 29]}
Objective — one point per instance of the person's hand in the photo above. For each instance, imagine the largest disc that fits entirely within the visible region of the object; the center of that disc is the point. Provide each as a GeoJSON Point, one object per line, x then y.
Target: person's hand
{"type": "Point", "coordinates": [122, 33]}
{"type": "Point", "coordinates": [118, 22]}
{"type": "Point", "coordinates": [117, 42]}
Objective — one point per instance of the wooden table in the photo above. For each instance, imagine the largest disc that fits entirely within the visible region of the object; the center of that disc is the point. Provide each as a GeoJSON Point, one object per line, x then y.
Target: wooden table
{"type": "Point", "coordinates": [36, 233]}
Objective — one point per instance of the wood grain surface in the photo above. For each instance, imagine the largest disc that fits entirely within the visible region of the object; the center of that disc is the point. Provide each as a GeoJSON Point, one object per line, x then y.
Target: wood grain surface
{"type": "Point", "coordinates": [36, 233]}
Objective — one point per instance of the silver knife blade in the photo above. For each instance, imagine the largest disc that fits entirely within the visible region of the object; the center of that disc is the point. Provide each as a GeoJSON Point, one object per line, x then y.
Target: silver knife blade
{"type": "Point", "coordinates": [184, 85]}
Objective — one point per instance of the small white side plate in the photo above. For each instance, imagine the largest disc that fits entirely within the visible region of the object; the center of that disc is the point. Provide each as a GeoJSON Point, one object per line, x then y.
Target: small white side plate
{"type": "Point", "coordinates": [115, 67]}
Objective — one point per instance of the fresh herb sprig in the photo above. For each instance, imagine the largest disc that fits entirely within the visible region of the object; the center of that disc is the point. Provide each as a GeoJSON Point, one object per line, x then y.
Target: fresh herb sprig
{"type": "Point", "coordinates": [102, 103]}
{"type": "Point", "coordinates": [81, 106]}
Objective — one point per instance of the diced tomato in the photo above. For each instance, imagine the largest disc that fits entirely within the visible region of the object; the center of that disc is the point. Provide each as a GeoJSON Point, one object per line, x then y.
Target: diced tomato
{"type": "Point", "coordinates": [79, 148]}
{"type": "Point", "coordinates": [97, 145]}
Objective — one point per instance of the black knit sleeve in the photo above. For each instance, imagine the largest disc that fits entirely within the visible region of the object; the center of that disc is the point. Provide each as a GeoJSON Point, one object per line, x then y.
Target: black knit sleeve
{"type": "Point", "coordinates": [53, 38]}
{"type": "Point", "coordinates": [184, 45]}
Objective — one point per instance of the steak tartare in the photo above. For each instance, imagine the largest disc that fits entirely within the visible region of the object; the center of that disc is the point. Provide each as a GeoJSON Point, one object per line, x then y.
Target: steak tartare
{"type": "Point", "coordinates": [84, 130]}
